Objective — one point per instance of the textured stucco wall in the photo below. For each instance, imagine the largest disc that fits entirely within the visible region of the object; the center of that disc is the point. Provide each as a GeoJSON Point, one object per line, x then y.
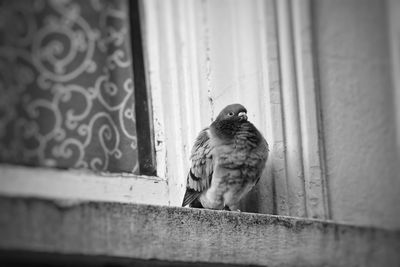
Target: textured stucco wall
{"type": "Point", "coordinates": [358, 111]}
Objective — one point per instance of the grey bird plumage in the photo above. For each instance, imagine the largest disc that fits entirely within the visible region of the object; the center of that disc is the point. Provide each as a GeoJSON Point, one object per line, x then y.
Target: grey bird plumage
{"type": "Point", "coordinates": [227, 160]}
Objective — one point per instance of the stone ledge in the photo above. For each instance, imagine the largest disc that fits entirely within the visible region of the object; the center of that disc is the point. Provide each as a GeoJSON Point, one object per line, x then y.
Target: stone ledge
{"type": "Point", "coordinates": [173, 234]}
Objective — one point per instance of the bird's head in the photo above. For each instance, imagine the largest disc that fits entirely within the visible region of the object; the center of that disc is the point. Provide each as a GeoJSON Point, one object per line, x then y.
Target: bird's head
{"type": "Point", "coordinates": [233, 112]}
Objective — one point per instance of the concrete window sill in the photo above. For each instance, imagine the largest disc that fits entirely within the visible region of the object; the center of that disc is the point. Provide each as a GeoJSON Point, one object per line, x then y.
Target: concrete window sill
{"type": "Point", "coordinates": [146, 235]}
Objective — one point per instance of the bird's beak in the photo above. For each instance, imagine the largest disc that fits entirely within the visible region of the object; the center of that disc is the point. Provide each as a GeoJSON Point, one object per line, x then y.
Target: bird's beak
{"type": "Point", "coordinates": [242, 115]}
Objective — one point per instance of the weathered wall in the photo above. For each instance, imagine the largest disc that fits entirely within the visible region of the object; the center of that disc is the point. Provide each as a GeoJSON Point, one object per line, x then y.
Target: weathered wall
{"type": "Point", "coordinates": [358, 111]}
{"type": "Point", "coordinates": [132, 231]}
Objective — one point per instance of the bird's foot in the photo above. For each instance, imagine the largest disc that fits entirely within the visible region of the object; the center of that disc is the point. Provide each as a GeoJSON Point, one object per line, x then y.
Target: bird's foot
{"type": "Point", "coordinates": [229, 209]}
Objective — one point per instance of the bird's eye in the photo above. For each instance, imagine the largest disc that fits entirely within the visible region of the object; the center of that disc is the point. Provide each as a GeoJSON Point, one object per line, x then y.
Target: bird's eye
{"type": "Point", "coordinates": [231, 114]}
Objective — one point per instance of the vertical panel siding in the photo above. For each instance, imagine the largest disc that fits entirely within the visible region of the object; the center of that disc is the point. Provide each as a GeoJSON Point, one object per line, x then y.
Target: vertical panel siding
{"type": "Point", "coordinates": [309, 111]}
{"type": "Point", "coordinates": [294, 167]}
{"type": "Point", "coordinates": [214, 53]}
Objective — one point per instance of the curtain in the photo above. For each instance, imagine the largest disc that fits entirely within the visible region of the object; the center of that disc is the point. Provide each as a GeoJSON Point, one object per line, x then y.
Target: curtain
{"type": "Point", "coordinates": [66, 85]}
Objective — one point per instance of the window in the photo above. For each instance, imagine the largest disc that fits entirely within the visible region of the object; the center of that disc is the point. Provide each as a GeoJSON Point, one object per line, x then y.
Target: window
{"type": "Point", "coordinates": [72, 87]}
{"type": "Point", "coordinates": [74, 96]}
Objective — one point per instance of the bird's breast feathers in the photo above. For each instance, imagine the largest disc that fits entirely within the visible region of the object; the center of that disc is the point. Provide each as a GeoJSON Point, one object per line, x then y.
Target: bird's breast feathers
{"type": "Point", "coordinates": [247, 149]}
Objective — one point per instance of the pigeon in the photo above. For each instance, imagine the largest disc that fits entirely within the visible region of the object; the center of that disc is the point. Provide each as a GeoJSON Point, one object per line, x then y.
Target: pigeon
{"type": "Point", "coordinates": [227, 160]}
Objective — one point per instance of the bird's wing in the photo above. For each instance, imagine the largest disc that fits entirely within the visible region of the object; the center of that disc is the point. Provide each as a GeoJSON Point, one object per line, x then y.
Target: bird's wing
{"type": "Point", "coordinates": [262, 152]}
{"type": "Point", "coordinates": [201, 169]}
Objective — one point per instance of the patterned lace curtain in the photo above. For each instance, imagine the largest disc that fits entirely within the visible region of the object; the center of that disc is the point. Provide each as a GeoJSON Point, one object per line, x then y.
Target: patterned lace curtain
{"type": "Point", "coordinates": [66, 85]}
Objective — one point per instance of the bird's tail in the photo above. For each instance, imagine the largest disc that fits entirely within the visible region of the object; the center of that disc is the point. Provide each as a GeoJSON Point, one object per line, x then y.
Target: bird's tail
{"type": "Point", "coordinates": [191, 198]}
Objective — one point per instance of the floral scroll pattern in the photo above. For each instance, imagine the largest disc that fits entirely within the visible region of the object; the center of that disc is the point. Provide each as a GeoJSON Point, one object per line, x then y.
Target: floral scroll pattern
{"type": "Point", "coordinates": [66, 85]}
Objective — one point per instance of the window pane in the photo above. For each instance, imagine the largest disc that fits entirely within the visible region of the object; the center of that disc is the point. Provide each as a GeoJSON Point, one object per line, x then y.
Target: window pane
{"type": "Point", "coordinates": [67, 91]}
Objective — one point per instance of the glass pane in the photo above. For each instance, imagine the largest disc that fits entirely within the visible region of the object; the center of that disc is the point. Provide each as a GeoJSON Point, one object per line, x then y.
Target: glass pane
{"type": "Point", "coordinates": [67, 94]}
